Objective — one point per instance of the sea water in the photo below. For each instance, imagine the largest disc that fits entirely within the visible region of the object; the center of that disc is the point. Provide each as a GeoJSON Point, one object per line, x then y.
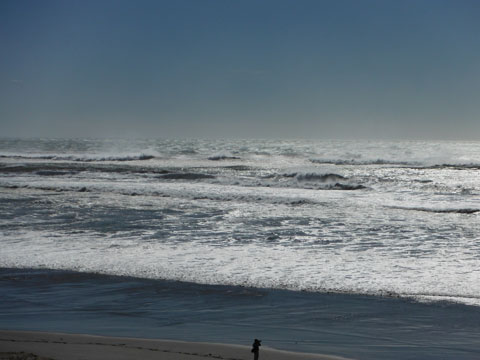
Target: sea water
{"type": "Point", "coordinates": [368, 222]}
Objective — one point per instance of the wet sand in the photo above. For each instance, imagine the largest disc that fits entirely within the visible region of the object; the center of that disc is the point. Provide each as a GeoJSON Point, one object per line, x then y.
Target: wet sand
{"type": "Point", "coordinates": [25, 345]}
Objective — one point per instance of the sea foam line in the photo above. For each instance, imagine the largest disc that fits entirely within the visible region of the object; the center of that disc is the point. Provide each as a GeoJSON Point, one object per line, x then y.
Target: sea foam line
{"type": "Point", "coordinates": [374, 272]}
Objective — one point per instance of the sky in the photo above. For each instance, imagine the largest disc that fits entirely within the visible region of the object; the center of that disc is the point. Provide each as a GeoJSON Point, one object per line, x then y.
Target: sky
{"type": "Point", "coordinates": [324, 69]}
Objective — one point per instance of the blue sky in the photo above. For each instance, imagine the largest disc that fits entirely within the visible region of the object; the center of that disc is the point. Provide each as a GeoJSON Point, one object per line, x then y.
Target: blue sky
{"type": "Point", "coordinates": [248, 69]}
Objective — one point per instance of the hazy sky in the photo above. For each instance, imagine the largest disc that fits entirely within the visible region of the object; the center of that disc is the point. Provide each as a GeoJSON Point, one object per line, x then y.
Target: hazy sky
{"type": "Point", "coordinates": [240, 68]}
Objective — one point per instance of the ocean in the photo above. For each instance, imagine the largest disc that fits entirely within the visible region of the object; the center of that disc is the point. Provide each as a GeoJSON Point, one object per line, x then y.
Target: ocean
{"type": "Point", "coordinates": [369, 249]}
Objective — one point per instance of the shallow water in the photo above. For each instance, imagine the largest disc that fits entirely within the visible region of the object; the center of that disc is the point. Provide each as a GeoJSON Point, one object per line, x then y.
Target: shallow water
{"type": "Point", "coordinates": [362, 327]}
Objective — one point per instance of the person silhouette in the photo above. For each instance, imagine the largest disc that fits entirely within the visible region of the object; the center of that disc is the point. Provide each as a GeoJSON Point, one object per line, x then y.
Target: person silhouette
{"type": "Point", "coordinates": [256, 348]}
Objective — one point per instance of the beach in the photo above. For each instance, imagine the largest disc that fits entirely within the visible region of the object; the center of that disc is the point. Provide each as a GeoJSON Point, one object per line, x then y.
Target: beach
{"type": "Point", "coordinates": [344, 325]}
{"type": "Point", "coordinates": [75, 347]}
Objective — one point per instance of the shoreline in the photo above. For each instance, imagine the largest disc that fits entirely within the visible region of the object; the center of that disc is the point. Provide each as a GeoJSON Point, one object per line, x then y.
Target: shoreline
{"type": "Point", "coordinates": [349, 326]}
{"type": "Point", "coordinates": [62, 346]}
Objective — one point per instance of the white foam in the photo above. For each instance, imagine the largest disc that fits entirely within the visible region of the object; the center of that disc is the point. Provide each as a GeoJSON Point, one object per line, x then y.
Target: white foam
{"type": "Point", "coordinates": [373, 271]}
{"type": "Point", "coordinates": [412, 232]}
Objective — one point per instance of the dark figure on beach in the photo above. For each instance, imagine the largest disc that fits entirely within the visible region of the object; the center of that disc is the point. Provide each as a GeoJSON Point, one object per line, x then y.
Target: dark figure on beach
{"type": "Point", "coordinates": [256, 348]}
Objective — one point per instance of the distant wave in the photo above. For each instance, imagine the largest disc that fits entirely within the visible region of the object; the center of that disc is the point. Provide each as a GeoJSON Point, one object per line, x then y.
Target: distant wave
{"type": "Point", "coordinates": [82, 158]}
{"type": "Point", "coordinates": [54, 168]}
{"type": "Point", "coordinates": [315, 180]}
{"type": "Point", "coordinates": [329, 177]}
{"type": "Point", "coordinates": [269, 198]}
{"type": "Point", "coordinates": [46, 188]}
{"type": "Point", "coordinates": [364, 162]}
{"type": "Point", "coordinates": [223, 157]}
{"type": "Point", "coordinates": [456, 166]}
{"type": "Point", "coordinates": [239, 167]}
{"type": "Point", "coordinates": [339, 186]}
{"type": "Point", "coordinates": [186, 176]}
{"type": "Point", "coordinates": [55, 172]}
{"type": "Point", "coordinates": [440, 211]}
{"type": "Point", "coordinates": [39, 170]}
{"type": "Point", "coordinates": [412, 164]}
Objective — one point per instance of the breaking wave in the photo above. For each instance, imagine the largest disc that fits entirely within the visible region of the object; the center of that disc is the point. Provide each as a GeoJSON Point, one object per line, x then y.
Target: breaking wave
{"type": "Point", "coordinates": [313, 180]}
